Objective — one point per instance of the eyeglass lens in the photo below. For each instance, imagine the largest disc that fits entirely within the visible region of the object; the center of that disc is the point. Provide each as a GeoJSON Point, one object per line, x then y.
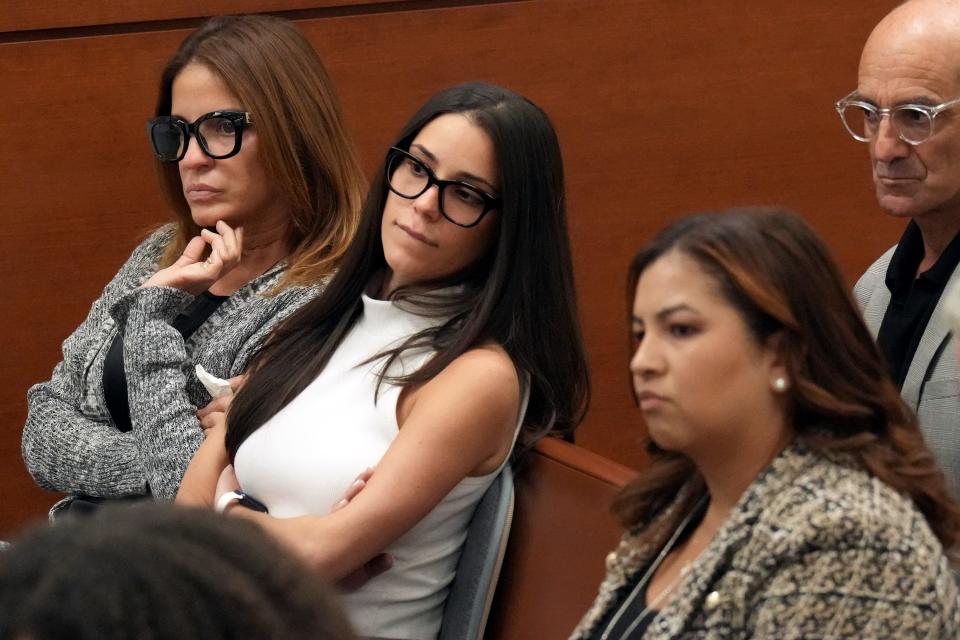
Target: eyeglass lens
{"type": "Point", "coordinates": [409, 178]}
{"type": "Point", "coordinates": [912, 124]}
{"type": "Point", "coordinates": [217, 136]}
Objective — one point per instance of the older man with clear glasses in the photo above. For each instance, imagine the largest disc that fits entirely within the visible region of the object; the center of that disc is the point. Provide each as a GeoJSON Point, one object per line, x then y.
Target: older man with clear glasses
{"type": "Point", "coordinates": [905, 108]}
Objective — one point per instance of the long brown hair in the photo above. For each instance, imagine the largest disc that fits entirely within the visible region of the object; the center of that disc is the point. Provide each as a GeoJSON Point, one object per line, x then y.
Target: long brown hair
{"type": "Point", "coordinates": [306, 152]}
{"type": "Point", "coordinates": [772, 268]}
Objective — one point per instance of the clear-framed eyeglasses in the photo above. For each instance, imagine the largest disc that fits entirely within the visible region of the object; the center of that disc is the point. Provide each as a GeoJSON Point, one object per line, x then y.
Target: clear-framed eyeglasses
{"type": "Point", "coordinates": [461, 203]}
{"type": "Point", "coordinates": [219, 134]}
{"type": "Point", "coordinates": [914, 123]}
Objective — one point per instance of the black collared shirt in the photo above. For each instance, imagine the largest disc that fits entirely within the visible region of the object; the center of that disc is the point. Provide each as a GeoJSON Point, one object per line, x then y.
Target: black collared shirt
{"type": "Point", "coordinates": [912, 298]}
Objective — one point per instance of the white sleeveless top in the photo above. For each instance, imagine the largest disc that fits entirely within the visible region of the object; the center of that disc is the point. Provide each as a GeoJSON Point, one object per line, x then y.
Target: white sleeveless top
{"type": "Point", "coordinates": [306, 456]}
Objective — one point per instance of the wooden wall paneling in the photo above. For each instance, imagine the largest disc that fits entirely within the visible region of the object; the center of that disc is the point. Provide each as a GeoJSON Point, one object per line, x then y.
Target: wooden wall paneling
{"type": "Point", "coordinates": [662, 108]}
{"type": "Point", "coordinates": [561, 533]}
{"type": "Point", "coordinates": [29, 15]}
{"type": "Point", "coordinates": [78, 191]}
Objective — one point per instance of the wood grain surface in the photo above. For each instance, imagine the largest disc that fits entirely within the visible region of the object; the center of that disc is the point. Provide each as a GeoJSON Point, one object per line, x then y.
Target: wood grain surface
{"type": "Point", "coordinates": [662, 107]}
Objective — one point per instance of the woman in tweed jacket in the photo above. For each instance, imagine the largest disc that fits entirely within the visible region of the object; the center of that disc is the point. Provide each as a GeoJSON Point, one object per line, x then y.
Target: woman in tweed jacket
{"type": "Point", "coordinates": [789, 492]}
{"type": "Point", "coordinates": [259, 227]}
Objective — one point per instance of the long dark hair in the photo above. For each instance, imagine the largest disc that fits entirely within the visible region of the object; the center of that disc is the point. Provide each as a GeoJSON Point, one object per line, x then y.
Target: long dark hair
{"type": "Point", "coordinates": [771, 267]}
{"type": "Point", "coordinates": [520, 295]}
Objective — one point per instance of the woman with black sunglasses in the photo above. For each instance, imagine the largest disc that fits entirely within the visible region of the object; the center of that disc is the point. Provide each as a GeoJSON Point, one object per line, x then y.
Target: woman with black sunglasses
{"type": "Point", "coordinates": [258, 228]}
{"type": "Point", "coordinates": [451, 323]}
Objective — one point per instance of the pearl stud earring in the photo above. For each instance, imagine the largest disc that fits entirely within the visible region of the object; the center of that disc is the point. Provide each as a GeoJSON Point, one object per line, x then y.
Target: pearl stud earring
{"type": "Point", "coordinates": [780, 384]}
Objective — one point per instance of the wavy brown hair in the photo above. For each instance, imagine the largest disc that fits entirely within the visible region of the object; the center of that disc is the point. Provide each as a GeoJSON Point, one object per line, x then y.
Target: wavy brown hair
{"type": "Point", "coordinates": [306, 151]}
{"type": "Point", "coordinates": [771, 267]}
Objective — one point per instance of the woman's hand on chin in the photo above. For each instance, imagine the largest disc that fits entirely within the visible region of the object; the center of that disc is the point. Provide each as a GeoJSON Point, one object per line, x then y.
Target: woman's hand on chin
{"type": "Point", "coordinates": [194, 274]}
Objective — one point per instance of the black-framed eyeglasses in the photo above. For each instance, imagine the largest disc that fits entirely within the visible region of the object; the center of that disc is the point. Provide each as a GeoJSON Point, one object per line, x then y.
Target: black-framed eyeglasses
{"type": "Point", "coordinates": [914, 123]}
{"type": "Point", "coordinates": [219, 134]}
{"type": "Point", "coordinates": [460, 202]}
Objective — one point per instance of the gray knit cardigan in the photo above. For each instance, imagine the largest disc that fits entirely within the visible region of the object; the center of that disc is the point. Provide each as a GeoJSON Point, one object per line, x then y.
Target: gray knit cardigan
{"type": "Point", "coordinates": [816, 549]}
{"type": "Point", "coordinates": [70, 442]}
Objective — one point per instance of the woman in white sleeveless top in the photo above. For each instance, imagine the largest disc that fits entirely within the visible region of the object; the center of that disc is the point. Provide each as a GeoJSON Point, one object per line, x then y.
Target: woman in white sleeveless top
{"type": "Point", "coordinates": [450, 323]}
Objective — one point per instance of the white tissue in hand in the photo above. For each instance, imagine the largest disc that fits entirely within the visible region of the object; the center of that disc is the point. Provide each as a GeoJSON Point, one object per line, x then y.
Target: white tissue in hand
{"type": "Point", "coordinates": [217, 387]}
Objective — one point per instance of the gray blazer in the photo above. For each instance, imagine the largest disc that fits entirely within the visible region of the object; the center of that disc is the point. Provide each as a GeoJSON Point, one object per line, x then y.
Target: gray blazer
{"type": "Point", "coordinates": [70, 442]}
{"type": "Point", "coordinates": [932, 385]}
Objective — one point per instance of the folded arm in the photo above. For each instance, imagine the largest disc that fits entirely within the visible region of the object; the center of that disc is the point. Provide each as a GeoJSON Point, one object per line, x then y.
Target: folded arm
{"type": "Point", "coordinates": [67, 449]}
{"type": "Point", "coordinates": [460, 423]}
{"type": "Point", "coordinates": [164, 420]}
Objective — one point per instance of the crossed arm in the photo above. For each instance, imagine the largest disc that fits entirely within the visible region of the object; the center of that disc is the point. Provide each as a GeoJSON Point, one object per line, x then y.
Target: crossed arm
{"type": "Point", "coordinates": [67, 447]}
{"type": "Point", "coordinates": [459, 424]}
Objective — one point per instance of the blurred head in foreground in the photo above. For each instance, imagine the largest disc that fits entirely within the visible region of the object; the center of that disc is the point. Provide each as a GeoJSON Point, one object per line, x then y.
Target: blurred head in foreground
{"type": "Point", "coordinates": [159, 572]}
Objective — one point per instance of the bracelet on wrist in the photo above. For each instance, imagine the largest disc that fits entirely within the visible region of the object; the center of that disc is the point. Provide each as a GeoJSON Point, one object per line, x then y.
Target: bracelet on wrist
{"type": "Point", "coordinates": [241, 498]}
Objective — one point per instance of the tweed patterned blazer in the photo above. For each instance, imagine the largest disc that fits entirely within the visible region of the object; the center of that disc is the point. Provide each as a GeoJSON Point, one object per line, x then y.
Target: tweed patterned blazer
{"type": "Point", "coordinates": [932, 385]}
{"type": "Point", "coordinates": [815, 549]}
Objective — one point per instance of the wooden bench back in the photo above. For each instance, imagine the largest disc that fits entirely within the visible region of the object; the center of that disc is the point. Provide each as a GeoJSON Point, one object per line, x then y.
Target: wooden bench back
{"type": "Point", "coordinates": [562, 531]}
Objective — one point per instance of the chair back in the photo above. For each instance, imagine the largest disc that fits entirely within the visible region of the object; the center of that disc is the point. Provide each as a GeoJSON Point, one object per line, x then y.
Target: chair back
{"type": "Point", "coordinates": [561, 535]}
{"type": "Point", "coordinates": [471, 592]}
